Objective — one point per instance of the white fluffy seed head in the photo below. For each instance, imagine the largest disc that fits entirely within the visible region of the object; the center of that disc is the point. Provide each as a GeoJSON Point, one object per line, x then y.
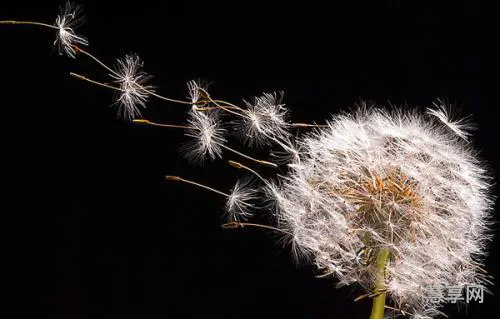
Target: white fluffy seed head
{"type": "Point", "coordinates": [265, 119]}
{"type": "Point", "coordinates": [395, 180]}
{"type": "Point", "coordinates": [70, 17]}
{"type": "Point", "coordinates": [132, 81]}
{"type": "Point", "coordinates": [239, 204]}
{"type": "Point", "coordinates": [207, 136]}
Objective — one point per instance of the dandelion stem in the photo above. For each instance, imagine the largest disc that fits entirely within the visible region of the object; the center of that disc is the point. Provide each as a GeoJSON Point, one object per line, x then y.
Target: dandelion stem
{"type": "Point", "coordinates": [179, 179]}
{"type": "Point", "coordinates": [238, 165]}
{"type": "Point", "coordinates": [306, 125]}
{"type": "Point", "coordinates": [29, 23]}
{"type": "Point", "coordinates": [210, 108]}
{"type": "Point", "coordinates": [83, 78]}
{"type": "Point", "coordinates": [262, 162]}
{"type": "Point", "coordinates": [141, 121]}
{"type": "Point", "coordinates": [228, 105]}
{"type": "Point", "coordinates": [161, 97]}
{"type": "Point", "coordinates": [217, 104]}
{"type": "Point", "coordinates": [233, 225]}
{"type": "Point", "coordinates": [379, 300]}
{"type": "Point", "coordinates": [93, 57]}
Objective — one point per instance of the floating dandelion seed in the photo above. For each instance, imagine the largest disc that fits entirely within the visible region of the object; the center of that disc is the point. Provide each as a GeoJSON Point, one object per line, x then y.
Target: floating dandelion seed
{"type": "Point", "coordinates": [69, 18]}
{"type": "Point", "coordinates": [241, 201]}
{"type": "Point", "coordinates": [442, 111]}
{"type": "Point", "coordinates": [67, 21]}
{"type": "Point", "coordinates": [272, 107]}
{"type": "Point", "coordinates": [395, 184]}
{"type": "Point", "coordinates": [194, 91]}
{"type": "Point", "coordinates": [264, 120]}
{"type": "Point", "coordinates": [134, 92]}
{"type": "Point", "coordinates": [208, 136]}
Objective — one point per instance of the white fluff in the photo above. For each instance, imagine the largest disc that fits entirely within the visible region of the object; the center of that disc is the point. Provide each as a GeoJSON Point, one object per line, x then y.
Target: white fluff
{"type": "Point", "coordinates": [401, 181]}
{"type": "Point", "coordinates": [264, 120]}
{"type": "Point", "coordinates": [68, 19]}
{"type": "Point", "coordinates": [240, 202]}
{"type": "Point", "coordinates": [132, 79]}
{"type": "Point", "coordinates": [208, 136]}
{"type": "Point", "coordinates": [442, 111]}
{"type": "Point", "coordinates": [195, 91]}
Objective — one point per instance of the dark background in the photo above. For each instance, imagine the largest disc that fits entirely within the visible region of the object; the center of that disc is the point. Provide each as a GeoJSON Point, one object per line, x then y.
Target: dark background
{"type": "Point", "coordinates": [91, 230]}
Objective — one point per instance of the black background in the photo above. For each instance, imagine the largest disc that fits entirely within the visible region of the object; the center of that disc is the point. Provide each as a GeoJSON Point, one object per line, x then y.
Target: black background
{"type": "Point", "coordinates": [91, 230]}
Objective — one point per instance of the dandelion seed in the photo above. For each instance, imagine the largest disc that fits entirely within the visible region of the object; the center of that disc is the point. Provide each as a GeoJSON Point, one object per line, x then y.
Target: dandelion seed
{"type": "Point", "coordinates": [67, 21]}
{"type": "Point", "coordinates": [276, 202]}
{"type": "Point", "coordinates": [240, 202]}
{"type": "Point", "coordinates": [264, 119]}
{"type": "Point", "coordinates": [289, 154]}
{"type": "Point", "coordinates": [442, 111]}
{"type": "Point", "coordinates": [132, 79]}
{"type": "Point", "coordinates": [208, 136]}
{"type": "Point", "coordinates": [196, 91]}
{"type": "Point", "coordinates": [272, 107]}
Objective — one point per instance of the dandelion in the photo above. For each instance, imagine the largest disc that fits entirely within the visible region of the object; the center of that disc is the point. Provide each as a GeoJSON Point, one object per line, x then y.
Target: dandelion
{"type": "Point", "coordinates": [264, 120]}
{"type": "Point", "coordinates": [395, 202]}
{"type": "Point", "coordinates": [133, 90]}
{"type": "Point", "coordinates": [272, 107]}
{"type": "Point", "coordinates": [69, 18]}
{"type": "Point", "coordinates": [67, 21]}
{"type": "Point", "coordinates": [208, 136]}
{"type": "Point", "coordinates": [240, 202]}
{"type": "Point", "coordinates": [442, 111]}
{"type": "Point", "coordinates": [397, 187]}
{"type": "Point", "coordinates": [196, 90]}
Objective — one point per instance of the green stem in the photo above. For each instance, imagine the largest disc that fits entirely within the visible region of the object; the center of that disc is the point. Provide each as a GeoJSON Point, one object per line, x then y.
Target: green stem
{"type": "Point", "coordinates": [379, 300]}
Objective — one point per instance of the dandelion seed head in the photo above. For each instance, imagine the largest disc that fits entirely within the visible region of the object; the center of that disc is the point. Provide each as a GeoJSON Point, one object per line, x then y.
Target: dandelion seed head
{"type": "Point", "coordinates": [132, 81]}
{"type": "Point", "coordinates": [385, 179]}
{"type": "Point", "coordinates": [70, 17]}
{"type": "Point", "coordinates": [207, 134]}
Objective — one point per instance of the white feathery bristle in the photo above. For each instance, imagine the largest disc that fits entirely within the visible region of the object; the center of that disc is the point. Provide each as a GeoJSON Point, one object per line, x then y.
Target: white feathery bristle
{"type": "Point", "coordinates": [289, 152]}
{"type": "Point", "coordinates": [272, 107]}
{"type": "Point", "coordinates": [208, 136]}
{"type": "Point", "coordinates": [239, 203]}
{"type": "Point", "coordinates": [442, 111]}
{"type": "Point", "coordinates": [264, 120]}
{"type": "Point", "coordinates": [194, 91]}
{"type": "Point", "coordinates": [132, 79]}
{"type": "Point", "coordinates": [275, 201]}
{"type": "Point", "coordinates": [394, 180]}
{"type": "Point", "coordinates": [67, 21]}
